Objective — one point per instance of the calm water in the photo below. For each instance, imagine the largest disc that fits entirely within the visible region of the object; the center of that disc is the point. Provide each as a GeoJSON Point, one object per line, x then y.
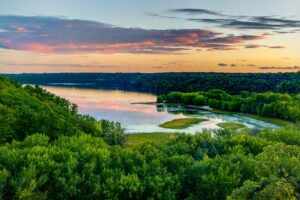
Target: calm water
{"type": "Point", "coordinates": [116, 105]}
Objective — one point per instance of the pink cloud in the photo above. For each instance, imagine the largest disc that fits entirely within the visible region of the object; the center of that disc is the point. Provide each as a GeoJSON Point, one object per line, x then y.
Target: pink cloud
{"type": "Point", "coordinates": [56, 35]}
{"type": "Point", "coordinates": [19, 28]}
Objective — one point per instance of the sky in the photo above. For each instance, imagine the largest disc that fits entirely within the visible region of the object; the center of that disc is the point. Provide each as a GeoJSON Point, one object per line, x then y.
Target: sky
{"type": "Point", "coordinates": [40, 36]}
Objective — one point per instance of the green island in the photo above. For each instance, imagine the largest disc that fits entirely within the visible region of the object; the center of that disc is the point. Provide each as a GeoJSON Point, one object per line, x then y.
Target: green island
{"type": "Point", "coordinates": [231, 126]}
{"type": "Point", "coordinates": [182, 123]}
{"type": "Point", "coordinates": [50, 151]}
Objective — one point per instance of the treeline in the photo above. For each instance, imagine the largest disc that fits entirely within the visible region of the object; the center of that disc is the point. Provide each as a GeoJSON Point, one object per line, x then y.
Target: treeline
{"type": "Point", "coordinates": [160, 83]}
{"type": "Point", "coordinates": [48, 151]}
{"type": "Point", "coordinates": [268, 104]}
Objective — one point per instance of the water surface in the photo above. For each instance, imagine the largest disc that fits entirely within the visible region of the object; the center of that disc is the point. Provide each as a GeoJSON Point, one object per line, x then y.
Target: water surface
{"type": "Point", "coordinates": [117, 105]}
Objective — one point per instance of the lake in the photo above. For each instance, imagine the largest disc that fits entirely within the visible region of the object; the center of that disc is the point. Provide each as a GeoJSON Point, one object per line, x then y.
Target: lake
{"type": "Point", "coordinates": [118, 105]}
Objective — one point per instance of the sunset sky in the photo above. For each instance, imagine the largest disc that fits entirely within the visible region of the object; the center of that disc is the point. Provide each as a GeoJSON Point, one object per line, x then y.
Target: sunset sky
{"type": "Point", "coordinates": [149, 36]}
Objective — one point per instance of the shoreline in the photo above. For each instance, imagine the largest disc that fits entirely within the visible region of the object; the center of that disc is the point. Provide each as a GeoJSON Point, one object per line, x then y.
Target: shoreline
{"type": "Point", "coordinates": [276, 121]}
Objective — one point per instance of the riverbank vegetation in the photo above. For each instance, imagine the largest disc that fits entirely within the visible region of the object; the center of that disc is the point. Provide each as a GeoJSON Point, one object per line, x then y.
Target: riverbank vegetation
{"type": "Point", "coordinates": [49, 151]}
{"type": "Point", "coordinates": [182, 123]}
{"type": "Point", "coordinates": [273, 105]}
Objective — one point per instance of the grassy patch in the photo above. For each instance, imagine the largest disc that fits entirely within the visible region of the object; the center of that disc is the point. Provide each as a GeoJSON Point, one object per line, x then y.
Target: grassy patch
{"type": "Point", "coordinates": [231, 126]}
{"type": "Point", "coordinates": [182, 123]}
{"type": "Point", "coordinates": [140, 138]}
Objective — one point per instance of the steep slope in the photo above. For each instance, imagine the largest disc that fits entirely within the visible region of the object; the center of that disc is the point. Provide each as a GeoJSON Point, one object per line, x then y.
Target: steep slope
{"type": "Point", "coordinates": [25, 110]}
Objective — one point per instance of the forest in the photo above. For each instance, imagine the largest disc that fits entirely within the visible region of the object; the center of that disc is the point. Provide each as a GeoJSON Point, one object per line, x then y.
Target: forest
{"type": "Point", "coordinates": [160, 83]}
{"type": "Point", "coordinates": [267, 104]}
{"type": "Point", "coordinates": [49, 151]}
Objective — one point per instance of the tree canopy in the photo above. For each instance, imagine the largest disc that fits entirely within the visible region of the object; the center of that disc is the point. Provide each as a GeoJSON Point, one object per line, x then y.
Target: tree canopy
{"type": "Point", "coordinates": [26, 110]}
{"type": "Point", "coordinates": [49, 151]}
{"type": "Point", "coordinates": [267, 104]}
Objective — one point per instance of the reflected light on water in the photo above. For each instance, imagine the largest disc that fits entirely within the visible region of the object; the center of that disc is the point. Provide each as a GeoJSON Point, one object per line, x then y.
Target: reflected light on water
{"type": "Point", "coordinates": [116, 105]}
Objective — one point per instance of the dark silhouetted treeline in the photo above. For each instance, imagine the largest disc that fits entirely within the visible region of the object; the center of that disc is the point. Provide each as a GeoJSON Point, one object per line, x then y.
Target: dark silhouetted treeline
{"type": "Point", "coordinates": [159, 83]}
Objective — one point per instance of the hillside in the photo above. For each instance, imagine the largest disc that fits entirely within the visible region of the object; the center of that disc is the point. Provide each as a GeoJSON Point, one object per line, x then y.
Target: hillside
{"type": "Point", "coordinates": [49, 151]}
{"type": "Point", "coordinates": [25, 110]}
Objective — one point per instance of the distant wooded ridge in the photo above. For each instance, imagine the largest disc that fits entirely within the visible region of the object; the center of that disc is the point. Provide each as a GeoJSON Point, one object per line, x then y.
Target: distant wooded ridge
{"type": "Point", "coordinates": [159, 83]}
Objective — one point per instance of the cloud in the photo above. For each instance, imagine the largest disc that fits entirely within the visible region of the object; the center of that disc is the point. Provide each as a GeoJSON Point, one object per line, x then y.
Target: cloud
{"type": "Point", "coordinates": [235, 65]}
{"type": "Point", "coordinates": [60, 35]}
{"type": "Point", "coordinates": [71, 65]}
{"type": "Point", "coordinates": [157, 67]}
{"type": "Point", "coordinates": [260, 23]}
{"type": "Point", "coordinates": [226, 65]}
{"type": "Point", "coordinates": [161, 16]}
{"type": "Point", "coordinates": [280, 25]}
{"type": "Point", "coordinates": [254, 46]}
{"type": "Point", "coordinates": [195, 11]}
{"type": "Point", "coordinates": [235, 39]}
{"type": "Point", "coordinates": [283, 68]}
{"type": "Point", "coordinates": [222, 65]}
{"type": "Point", "coordinates": [276, 47]}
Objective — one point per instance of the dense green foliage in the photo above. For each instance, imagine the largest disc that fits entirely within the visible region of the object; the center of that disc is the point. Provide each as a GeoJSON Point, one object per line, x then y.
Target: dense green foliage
{"type": "Point", "coordinates": [51, 152]}
{"type": "Point", "coordinates": [28, 110]}
{"type": "Point", "coordinates": [167, 82]}
{"type": "Point", "coordinates": [236, 166]}
{"type": "Point", "coordinates": [268, 104]}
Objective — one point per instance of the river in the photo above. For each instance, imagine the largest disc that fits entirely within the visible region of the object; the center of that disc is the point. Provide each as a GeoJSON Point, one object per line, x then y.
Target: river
{"type": "Point", "coordinates": [118, 105]}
